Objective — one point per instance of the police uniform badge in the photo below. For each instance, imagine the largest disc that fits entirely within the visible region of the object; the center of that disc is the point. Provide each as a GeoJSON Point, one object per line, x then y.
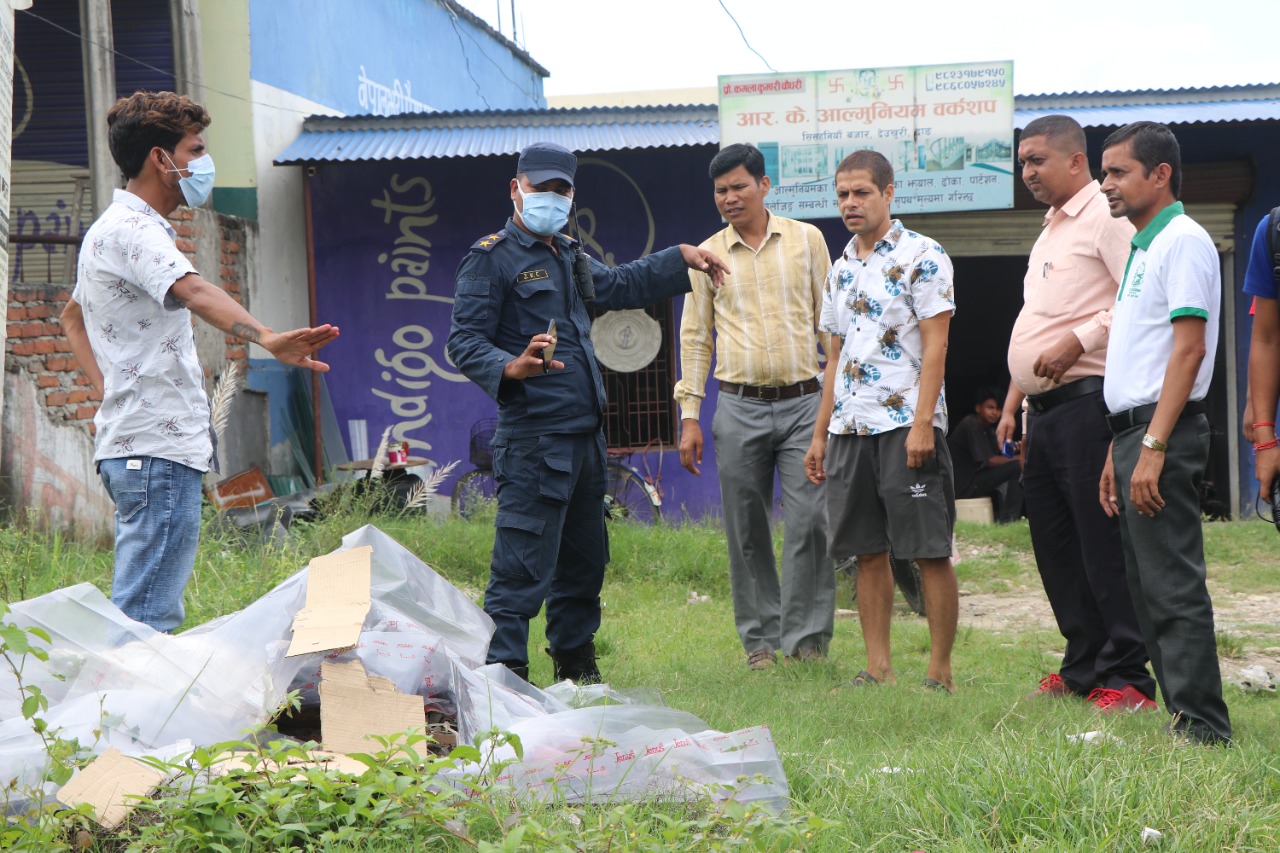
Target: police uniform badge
{"type": "Point", "coordinates": [486, 244]}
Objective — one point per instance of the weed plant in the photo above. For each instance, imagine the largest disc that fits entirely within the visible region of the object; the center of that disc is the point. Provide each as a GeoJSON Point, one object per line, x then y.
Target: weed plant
{"type": "Point", "coordinates": [891, 768]}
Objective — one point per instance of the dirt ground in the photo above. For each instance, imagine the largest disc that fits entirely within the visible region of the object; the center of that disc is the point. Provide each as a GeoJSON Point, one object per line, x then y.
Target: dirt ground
{"type": "Point", "coordinates": [1253, 618]}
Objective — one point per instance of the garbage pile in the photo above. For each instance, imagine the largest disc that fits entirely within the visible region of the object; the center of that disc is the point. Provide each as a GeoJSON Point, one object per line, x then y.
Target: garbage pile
{"type": "Point", "coordinates": [381, 643]}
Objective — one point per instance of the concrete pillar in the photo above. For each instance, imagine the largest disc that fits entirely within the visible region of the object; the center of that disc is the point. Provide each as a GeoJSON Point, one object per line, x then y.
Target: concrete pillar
{"type": "Point", "coordinates": [6, 143]}
{"type": "Point", "coordinates": [187, 60]}
{"type": "Point", "coordinates": [100, 94]}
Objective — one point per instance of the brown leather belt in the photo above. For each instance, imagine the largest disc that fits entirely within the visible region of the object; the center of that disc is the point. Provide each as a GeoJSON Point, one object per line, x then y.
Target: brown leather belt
{"type": "Point", "coordinates": [771, 392]}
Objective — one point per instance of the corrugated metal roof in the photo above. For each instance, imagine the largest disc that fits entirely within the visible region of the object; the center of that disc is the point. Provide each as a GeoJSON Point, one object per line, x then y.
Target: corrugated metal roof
{"type": "Point", "coordinates": [1249, 92]}
{"type": "Point", "coordinates": [479, 134]}
{"type": "Point", "coordinates": [1207, 112]}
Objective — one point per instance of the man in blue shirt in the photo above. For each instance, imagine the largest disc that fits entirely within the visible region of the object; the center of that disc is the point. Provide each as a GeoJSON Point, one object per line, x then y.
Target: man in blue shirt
{"type": "Point", "coordinates": [1260, 281]}
{"type": "Point", "coordinates": [549, 448]}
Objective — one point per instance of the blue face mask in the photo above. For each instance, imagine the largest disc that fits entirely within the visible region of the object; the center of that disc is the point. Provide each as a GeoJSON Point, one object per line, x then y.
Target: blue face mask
{"type": "Point", "coordinates": [544, 213]}
{"type": "Point", "coordinates": [195, 189]}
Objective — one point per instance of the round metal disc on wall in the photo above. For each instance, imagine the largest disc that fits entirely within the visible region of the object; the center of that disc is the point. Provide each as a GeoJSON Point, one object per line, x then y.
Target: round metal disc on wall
{"type": "Point", "coordinates": [626, 340]}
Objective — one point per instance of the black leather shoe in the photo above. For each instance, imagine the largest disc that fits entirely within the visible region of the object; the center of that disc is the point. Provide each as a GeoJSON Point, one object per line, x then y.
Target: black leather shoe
{"type": "Point", "coordinates": [578, 665]}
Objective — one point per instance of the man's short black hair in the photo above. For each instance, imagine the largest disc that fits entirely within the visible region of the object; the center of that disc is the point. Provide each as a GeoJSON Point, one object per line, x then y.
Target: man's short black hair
{"type": "Point", "coordinates": [988, 392]}
{"type": "Point", "coordinates": [873, 163]}
{"type": "Point", "coordinates": [738, 154]}
{"type": "Point", "coordinates": [1062, 131]}
{"type": "Point", "coordinates": [1152, 144]}
{"type": "Point", "coordinates": [147, 120]}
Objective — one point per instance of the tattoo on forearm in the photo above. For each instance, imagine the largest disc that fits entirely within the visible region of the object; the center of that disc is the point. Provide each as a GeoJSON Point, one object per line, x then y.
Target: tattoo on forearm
{"type": "Point", "coordinates": [245, 332]}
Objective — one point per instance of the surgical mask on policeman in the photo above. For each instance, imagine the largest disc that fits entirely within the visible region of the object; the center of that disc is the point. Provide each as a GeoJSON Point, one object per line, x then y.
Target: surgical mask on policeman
{"type": "Point", "coordinates": [544, 213]}
{"type": "Point", "coordinates": [196, 188]}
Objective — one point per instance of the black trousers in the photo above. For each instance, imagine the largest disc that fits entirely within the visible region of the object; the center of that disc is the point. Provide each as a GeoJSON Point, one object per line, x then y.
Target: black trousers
{"type": "Point", "coordinates": [1078, 548]}
{"type": "Point", "coordinates": [1165, 556]}
{"type": "Point", "coordinates": [1001, 484]}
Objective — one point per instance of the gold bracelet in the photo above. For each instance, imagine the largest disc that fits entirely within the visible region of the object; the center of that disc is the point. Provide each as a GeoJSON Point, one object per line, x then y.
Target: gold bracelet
{"type": "Point", "coordinates": [1154, 443]}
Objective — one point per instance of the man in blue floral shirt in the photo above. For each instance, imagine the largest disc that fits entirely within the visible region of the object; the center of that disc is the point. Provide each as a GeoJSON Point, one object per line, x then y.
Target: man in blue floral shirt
{"type": "Point", "coordinates": [880, 431]}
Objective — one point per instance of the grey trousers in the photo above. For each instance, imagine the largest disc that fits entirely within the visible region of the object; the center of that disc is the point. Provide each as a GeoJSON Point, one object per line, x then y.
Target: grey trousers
{"type": "Point", "coordinates": [1164, 562]}
{"type": "Point", "coordinates": [753, 438]}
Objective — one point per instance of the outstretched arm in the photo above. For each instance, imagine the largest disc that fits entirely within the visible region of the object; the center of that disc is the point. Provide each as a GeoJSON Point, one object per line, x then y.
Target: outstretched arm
{"type": "Point", "coordinates": [212, 304]}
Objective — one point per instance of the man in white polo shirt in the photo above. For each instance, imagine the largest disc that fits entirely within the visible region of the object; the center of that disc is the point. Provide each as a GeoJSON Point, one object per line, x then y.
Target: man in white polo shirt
{"type": "Point", "coordinates": [1163, 337]}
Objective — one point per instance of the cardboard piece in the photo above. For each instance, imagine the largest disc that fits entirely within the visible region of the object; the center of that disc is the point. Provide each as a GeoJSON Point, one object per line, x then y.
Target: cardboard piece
{"type": "Point", "coordinates": [111, 783]}
{"type": "Point", "coordinates": [354, 705]}
{"type": "Point", "coordinates": [248, 488]}
{"type": "Point", "coordinates": [338, 600]}
{"type": "Point", "coordinates": [330, 761]}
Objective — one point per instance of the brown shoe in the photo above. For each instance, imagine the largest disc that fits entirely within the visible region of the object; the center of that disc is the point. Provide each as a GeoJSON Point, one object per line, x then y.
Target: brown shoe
{"type": "Point", "coordinates": [806, 655]}
{"type": "Point", "coordinates": [762, 659]}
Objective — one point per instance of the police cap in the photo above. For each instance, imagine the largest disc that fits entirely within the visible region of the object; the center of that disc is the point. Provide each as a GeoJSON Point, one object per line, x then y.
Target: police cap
{"type": "Point", "coordinates": [543, 161]}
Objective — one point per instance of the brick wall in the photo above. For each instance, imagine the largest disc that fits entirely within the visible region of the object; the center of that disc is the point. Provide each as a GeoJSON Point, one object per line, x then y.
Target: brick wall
{"type": "Point", "coordinates": [37, 346]}
{"type": "Point", "coordinates": [47, 452]}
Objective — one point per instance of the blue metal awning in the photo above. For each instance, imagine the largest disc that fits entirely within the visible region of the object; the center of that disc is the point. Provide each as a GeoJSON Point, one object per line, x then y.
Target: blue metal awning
{"type": "Point", "coordinates": [481, 134]}
{"type": "Point", "coordinates": [505, 132]}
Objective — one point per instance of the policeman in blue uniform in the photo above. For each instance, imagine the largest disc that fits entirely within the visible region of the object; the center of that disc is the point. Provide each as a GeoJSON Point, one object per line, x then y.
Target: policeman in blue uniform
{"type": "Point", "coordinates": [549, 448]}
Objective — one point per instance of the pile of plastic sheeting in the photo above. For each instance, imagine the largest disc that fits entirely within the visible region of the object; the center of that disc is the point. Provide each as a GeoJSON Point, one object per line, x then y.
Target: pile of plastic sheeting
{"type": "Point", "coordinates": [112, 682]}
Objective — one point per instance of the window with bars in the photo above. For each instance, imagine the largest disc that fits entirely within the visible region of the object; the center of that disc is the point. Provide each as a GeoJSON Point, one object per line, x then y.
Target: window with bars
{"type": "Point", "coordinates": [640, 408]}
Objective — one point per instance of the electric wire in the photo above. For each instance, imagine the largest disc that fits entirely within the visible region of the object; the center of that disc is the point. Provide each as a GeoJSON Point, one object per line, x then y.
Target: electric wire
{"type": "Point", "coordinates": [453, 18]}
{"type": "Point", "coordinates": [151, 67]}
{"type": "Point", "coordinates": [744, 37]}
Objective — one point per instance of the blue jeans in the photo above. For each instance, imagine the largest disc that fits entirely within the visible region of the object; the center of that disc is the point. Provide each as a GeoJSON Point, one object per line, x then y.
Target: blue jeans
{"type": "Point", "coordinates": [157, 531]}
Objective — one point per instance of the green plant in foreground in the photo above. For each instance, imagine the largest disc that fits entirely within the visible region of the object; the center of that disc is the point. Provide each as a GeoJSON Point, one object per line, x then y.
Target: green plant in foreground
{"type": "Point", "coordinates": [34, 824]}
{"type": "Point", "coordinates": [240, 797]}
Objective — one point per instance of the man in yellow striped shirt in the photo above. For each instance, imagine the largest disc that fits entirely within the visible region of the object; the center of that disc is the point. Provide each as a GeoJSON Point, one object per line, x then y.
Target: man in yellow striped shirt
{"type": "Point", "coordinates": [761, 325]}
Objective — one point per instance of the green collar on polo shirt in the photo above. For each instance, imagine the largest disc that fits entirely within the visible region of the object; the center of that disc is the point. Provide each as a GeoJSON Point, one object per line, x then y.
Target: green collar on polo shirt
{"type": "Point", "coordinates": [1142, 240]}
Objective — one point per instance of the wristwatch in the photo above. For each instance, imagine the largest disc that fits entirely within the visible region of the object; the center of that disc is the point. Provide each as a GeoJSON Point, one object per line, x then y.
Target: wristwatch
{"type": "Point", "coordinates": [1154, 443]}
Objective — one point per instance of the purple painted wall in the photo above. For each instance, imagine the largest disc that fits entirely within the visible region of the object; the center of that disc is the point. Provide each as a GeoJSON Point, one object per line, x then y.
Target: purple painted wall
{"type": "Point", "coordinates": [388, 237]}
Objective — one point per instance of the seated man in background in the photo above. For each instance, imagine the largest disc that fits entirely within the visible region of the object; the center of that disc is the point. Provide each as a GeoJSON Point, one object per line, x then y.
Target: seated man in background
{"type": "Point", "coordinates": [981, 469]}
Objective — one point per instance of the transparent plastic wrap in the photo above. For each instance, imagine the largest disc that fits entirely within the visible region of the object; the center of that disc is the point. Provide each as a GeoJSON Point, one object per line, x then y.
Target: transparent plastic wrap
{"type": "Point", "coordinates": [595, 743]}
{"type": "Point", "coordinates": [145, 691]}
{"type": "Point", "coordinates": [403, 584]}
{"type": "Point", "coordinates": [417, 626]}
{"type": "Point", "coordinates": [414, 658]}
{"type": "Point", "coordinates": [111, 681]}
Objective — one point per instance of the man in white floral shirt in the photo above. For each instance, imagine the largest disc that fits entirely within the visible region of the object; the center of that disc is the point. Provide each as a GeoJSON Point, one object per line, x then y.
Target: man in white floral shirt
{"type": "Point", "coordinates": [880, 432]}
{"type": "Point", "coordinates": [129, 325]}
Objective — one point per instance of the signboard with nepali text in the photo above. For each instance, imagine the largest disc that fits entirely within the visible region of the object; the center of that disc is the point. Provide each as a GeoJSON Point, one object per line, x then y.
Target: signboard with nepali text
{"type": "Point", "coordinates": [946, 129]}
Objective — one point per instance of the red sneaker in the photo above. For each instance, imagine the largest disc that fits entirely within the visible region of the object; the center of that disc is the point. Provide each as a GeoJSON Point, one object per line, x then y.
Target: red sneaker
{"type": "Point", "coordinates": [1052, 686]}
{"type": "Point", "coordinates": [1127, 698]}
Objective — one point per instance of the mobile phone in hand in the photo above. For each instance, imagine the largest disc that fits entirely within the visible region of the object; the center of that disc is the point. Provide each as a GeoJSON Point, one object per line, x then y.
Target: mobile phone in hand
{"type": "Point", "coordinates": [1275, 499]}
{"type": "Point", "coordinates": [550, 349]}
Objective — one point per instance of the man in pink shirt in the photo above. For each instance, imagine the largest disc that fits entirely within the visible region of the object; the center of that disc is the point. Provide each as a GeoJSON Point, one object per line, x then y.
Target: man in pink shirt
{"type": "Point", "coordinates": [1057, 353]}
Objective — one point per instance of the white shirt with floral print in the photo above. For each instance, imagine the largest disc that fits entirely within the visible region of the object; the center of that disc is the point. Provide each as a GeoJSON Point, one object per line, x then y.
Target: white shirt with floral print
{"type": "Point", "coordinates": [154, 402]}
{"type": "Point", "coordinates": [876, 305]}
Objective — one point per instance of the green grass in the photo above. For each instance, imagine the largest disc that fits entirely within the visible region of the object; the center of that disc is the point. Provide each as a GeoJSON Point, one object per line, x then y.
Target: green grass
{"type": "Point", "coordinates": [986, 769]}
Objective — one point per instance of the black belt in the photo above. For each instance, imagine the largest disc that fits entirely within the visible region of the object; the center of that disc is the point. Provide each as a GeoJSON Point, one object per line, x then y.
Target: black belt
{"type": "Point", "coordinates": [1046, 401]}
{"type": "Point", "coordinates": [771, 392]}
{"type": "Point", "coordinates": [1143, 415]}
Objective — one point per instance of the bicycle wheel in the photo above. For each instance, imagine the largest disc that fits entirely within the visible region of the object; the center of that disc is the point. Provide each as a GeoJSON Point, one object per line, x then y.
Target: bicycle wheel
{"type": "Point", "coordinates": [628, 497]}
{"type": "Point", "coordinates": [906, 575]}
{"type": "Point", "coordinates": [474, 491]}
